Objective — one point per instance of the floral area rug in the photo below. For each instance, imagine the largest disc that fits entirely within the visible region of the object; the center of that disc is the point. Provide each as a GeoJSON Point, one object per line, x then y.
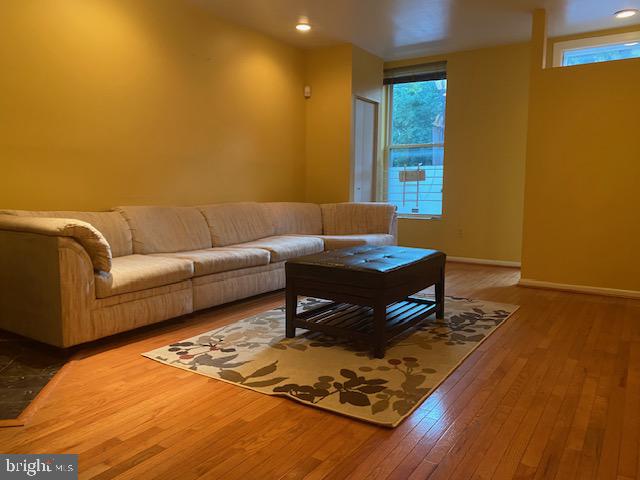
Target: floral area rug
{"type": "Point", "coordinates": [336, 374]}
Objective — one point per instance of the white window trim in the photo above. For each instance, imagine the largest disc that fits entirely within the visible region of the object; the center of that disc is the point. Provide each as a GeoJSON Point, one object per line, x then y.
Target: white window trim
{"type": "Point", "coordinates": [386, 149]}
{"type": "Point", "coordinates": [561, 47]}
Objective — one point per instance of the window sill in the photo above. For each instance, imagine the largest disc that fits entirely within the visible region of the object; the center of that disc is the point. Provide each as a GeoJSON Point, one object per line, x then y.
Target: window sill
{"type": "Point", "coordinates": [410, 216]}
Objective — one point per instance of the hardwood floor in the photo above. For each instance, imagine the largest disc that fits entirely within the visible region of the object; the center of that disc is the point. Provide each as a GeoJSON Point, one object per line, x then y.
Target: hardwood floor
{"type": "Point", "coordinates": [554, 393]}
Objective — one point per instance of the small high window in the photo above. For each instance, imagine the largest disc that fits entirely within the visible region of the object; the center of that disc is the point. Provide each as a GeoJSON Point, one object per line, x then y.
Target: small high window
{"type": "Point", "coordinates": [597, 49]}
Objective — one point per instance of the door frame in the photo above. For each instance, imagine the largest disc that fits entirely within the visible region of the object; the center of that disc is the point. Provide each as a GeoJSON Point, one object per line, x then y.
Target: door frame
{"type": "Point", "coordinates": [376, 134]}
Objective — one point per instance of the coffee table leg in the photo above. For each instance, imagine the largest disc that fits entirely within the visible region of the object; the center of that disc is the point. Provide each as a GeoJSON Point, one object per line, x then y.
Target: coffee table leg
{"type": "Point", "coordinates": [291, 307]}
{"type": "Point", "coordinates": [379, 343]}
{"type": "Point", "coordinates": [440, 295]}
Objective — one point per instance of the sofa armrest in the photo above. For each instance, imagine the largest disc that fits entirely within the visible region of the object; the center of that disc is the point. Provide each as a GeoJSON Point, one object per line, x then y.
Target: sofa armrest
{"type": "Point", "coordinates": [46, 287]}
{"type": "Point", "coordinates": [394, 228]}
{"type": "Point", "coordinates": [84, 233]}
{"type": "Point", "coordinates": [358, 218]}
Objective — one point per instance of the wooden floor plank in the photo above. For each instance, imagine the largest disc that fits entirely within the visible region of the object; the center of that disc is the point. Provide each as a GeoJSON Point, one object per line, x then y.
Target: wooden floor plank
{"type": "Point", "coordinates": [490, 431]}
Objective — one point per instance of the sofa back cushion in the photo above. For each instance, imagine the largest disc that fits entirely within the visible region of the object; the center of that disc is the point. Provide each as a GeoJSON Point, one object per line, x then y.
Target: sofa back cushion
{"type": "Point", "coordinates": [158, 229]}
{"type": "Point", "coordinates": [295, 218]}
{"type": "Point", "coordinates": [357, 218]}
{"type": "Point", "coordinates": [111, 225]}
{"type": "Point", "coordinates": [231, 223]}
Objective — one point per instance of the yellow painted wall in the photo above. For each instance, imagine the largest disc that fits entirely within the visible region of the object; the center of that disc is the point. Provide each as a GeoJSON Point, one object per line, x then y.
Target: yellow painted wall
{"type": "Point", "coordinates": [149, 101]}
{"type": "Point", "coordinates": [155, 101]}
{"type": "Point", "coordinates": [367, 75]}
{"type": "Point", "coordinates": [485, 149]}
{"type": "Point", "coordinates": [336, 75]}
{"type": "Point", "coordinates": [581, 217]}
{"type": "Point", "coordinates": [328, 124]}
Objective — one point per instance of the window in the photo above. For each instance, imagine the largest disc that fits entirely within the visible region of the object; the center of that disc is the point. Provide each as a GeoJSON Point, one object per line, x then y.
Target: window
{"type": "Point", "coordinates": [414, 150]}
{"type": "Point", "coordinates": [597, 49]}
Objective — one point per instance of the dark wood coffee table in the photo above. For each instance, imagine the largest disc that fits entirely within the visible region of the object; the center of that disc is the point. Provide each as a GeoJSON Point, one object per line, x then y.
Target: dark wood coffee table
{"type": "Point", "coordinates": [370, 289]}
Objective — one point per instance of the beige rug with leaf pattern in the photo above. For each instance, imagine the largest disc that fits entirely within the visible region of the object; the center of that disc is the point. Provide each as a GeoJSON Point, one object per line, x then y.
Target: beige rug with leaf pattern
{"type": "Point", "coordinates": [335, 374]}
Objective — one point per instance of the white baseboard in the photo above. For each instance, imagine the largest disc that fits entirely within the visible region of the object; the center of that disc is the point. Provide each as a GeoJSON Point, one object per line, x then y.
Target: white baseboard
{"type": "Point", "coordinates": [482, 261]}
{"type": "Point", "coordinates": [609, 292]}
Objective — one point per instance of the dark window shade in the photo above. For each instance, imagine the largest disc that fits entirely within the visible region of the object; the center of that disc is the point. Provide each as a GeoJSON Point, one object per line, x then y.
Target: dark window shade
{"type": "Point", "coordinates": [416, 73]}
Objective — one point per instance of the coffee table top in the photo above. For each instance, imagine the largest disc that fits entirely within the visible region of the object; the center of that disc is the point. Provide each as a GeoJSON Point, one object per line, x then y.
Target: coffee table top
{"type": "Point", "coordinates": [369, 258]}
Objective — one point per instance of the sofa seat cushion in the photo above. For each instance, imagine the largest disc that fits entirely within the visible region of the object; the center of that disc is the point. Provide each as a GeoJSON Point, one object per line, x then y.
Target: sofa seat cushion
{"type": "Point", "coordinates": [217, 260]}
{"type": "Point", "coordinates": [333, 242]}
{"type": "Point", "coordinates": [133, 273]}
{"type": "Point", "coordinates": [284, 247]}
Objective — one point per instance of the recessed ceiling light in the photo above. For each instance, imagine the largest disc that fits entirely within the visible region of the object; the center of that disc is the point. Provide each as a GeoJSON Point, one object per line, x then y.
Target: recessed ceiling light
{"type": "Point", "coordinates": [303, 27]}
{"type": "Point", "coordinates": [626, 13]}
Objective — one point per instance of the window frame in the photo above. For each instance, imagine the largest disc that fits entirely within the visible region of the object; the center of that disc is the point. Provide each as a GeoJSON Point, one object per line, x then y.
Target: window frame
{"type": "Point", "coordinates": [559, 48]}
{"type": "Point", "coordinates": [388, 146]}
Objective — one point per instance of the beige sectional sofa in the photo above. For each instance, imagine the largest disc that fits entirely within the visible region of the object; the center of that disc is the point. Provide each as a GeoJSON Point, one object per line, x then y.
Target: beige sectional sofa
{"type": "Point", "coordinates": [72, 277]}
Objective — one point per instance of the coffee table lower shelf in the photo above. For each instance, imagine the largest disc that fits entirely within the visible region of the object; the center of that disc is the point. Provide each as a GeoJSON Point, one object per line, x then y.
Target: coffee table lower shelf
{"type": "Point", "coordinates": [359, 322]}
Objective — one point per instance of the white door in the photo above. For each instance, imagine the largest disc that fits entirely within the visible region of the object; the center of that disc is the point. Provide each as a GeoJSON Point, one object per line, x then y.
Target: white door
{"type": "Point", "coordinates": [365, 126]}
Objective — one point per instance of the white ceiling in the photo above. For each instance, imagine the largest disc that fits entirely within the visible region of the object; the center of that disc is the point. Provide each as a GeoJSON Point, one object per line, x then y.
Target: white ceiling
{"type": "Point", "coordinates": [395, 29]}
